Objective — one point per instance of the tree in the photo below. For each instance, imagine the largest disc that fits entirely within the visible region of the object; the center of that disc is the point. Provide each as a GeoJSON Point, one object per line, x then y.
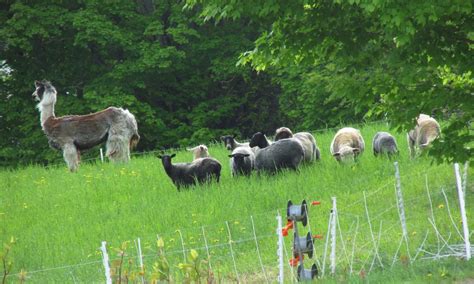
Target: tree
{"type": "Point", "coordinates": [176, 73]}
{"type": "Point", "coordinates": [395, 59]}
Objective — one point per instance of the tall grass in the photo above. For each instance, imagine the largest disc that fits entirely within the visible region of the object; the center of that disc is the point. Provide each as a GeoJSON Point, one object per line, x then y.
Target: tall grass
{"type": "Point", "coordinates": [61, 218]}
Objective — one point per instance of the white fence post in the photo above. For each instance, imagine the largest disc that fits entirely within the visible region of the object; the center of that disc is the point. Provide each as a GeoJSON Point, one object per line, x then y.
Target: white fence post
{"type": "Point", "coordinates": [280, 249]}
{"type": "Point", "coordinates": [333, 236]}
{"type": "Point", "coordinates": [140, 258]}
{"type": "Point", "coordinates": [101, 155]}
{"type": "Point", "coordinates": [105, 258]}
{"type": "Point", "coordinates": [463, 211]}
{"type": "Point", "coordinates": [464, 179]}
{"type": "Point", "coordinates": [401, 207]}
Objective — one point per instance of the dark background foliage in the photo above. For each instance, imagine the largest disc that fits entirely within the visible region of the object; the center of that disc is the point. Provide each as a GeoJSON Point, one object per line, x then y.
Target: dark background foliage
{"type": "Point", "coordinates": [183, 70]}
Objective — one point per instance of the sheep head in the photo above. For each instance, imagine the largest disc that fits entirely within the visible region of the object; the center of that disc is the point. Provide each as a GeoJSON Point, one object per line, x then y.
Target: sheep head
{"type": "Point", "coordinates": [283, 133]}
{"type": "Point", "coordinates": [346, 154]}
{"type": "Point", "coordinates": [258, 139]}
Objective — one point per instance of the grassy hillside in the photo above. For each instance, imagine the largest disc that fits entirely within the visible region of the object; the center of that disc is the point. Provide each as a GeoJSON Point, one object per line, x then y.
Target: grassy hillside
{"type": "Point", "coordinates": [59, 219]}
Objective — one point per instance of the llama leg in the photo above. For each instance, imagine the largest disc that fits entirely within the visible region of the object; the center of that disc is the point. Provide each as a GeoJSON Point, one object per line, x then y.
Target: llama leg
{"type": "Point", "coordinates": [118, 149]}
{"type": "Point", "coordinates": [71, 156]}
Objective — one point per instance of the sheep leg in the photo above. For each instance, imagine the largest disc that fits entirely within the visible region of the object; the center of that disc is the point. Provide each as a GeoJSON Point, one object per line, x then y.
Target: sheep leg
{"type": "Point", "coordinates": [71, 156]}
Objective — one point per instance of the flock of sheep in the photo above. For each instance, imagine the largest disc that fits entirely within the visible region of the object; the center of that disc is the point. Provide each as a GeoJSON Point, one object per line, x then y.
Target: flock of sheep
{"type": "Point", "coordinates": [289, 151]}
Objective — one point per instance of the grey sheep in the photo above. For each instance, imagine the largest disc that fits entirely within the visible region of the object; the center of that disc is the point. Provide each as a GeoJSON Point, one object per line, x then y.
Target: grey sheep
{"type": "Point", "coordinates": [230, 142]}
{"type": "Point", "coordinates": [425, 132]}
{"type": "Point", "coordinates": [384, 143]}
{"type": "Point", "coordinates": [311, 150]}
{"type": "Point", "coordinates": [347, 144]}
{"type": "Point", "coordinates": [286, 153]}
{"type": "Point", "coordinates": [242, 161]}
{"type": "Point", "coordinates": [186, 174]}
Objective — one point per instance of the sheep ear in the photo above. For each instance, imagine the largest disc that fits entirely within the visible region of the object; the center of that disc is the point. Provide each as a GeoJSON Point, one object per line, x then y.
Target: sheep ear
{"type": "Point", "coordinates": [246, 155]}
{"type": "Point", "coordinates": [231, 155]}
{"type": "Point", "coordinates": [222, 138]}
{"type": "Point", "coordinates": [355, 150]}
{"type": "Point", "coordinates": [38, 83]}
{"type": "Point", "coordinates": [173, 155]}
{"type": "Point", "coordinates": [336, 154]}
{"type": "Point", "coordinates": [191, 149]}
{"type": "Point", "coordinates": [159, 157]}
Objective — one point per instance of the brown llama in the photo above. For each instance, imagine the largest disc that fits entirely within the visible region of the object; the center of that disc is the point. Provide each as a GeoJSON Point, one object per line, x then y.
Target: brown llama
{"type": "Point", "coordinates": [74, 133]}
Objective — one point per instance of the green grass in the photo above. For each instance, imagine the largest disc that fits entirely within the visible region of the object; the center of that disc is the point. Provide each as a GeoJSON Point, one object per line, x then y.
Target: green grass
{"type": "Point", "coordinates": [60, 219]}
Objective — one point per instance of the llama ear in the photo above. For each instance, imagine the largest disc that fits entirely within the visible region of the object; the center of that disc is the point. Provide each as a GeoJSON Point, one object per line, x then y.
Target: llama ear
{"type": "Point", "coordinates": [173, 155]}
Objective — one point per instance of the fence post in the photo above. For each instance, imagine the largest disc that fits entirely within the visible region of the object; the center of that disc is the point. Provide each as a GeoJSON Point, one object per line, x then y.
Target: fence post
{"type": "Point", "coordinates": [280, 248]}
{"type": "Point", "coordinates": [333, 236]}
{"type": "Point", "coordinates": [140, 258]}
{"type": "Point", "coordinates": [105, 258]}
{"type": "Point", "coordinates": [101, 155]}
{"type": "Point", "coordinates": [464, 179]}
{"type": "Point", "coordinates": [463, 211]}
{"type": "Point", "coordinates": [401, 207]}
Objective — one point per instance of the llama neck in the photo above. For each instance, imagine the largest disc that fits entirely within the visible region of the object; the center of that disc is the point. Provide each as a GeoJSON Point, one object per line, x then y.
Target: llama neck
{"type": "Point", "coordinates": [46, 111]}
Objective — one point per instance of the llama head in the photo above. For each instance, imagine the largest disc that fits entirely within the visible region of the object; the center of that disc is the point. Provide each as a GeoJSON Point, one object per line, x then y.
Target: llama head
{"type": "Point", "coordinates": [283, 133]}
{"type": "Point", "coordinates": [45, 93]}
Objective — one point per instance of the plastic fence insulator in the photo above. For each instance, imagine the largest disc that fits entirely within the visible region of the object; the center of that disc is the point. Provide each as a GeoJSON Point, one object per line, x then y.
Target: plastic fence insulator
{"type": "Point", "coordinates": [287, 228]}
{"type": "Point", "coordinates": [314, 203]}
{"type": "Point", "coordinates": [319, 237]}
{"type": "Point", "coordinates": [294, 261]}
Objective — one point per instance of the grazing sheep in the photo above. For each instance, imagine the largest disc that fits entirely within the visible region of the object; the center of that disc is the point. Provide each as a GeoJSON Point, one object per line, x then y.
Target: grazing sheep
{"type": "Point", "coordinates": [384, 142]}
{"type": "Point", "coordinates": [186, 174]}
{"type": "Point", "coordinates": [426, 131]}
{"type": "Point", "coordinates": [199, 151]}
{"type": "Point", "coordinates": [347, 144]}
{"type": "Point", "coordinates": [311, 150]}
{"type": "Point", "coordinates": [286, 153]}
{"type": "Point", "coordinates": [242, 161]}
{"type": "Point", "coordinates": [230, 142]}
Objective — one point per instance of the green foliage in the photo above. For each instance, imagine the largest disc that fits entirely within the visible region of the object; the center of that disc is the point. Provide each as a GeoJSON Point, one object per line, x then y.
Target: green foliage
{"type": "Point", "coordinates": [388, 58]}
{"type": "Point", "coordinates": [176, 73]}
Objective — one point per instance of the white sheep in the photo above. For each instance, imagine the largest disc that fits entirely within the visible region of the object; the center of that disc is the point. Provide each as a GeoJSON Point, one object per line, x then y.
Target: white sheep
{"type": "Point", "coordinates": [347, 144]}
{"type": "Point", "coordinates": [311, 150]}
{"type": "Point", "coordinates": [426, 131]}
{"type": "Point", "coordinates": [199, 151]}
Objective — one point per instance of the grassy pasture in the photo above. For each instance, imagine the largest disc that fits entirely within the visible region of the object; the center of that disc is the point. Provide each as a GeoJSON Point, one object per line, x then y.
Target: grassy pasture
{"type": "Point", "coordinates": [59, 219]}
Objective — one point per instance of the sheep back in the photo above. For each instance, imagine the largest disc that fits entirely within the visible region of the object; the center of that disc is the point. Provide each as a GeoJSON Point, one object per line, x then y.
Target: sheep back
{"type": "Point", "coordinates": [347, 136]}
{"type": "Point", "coordinates": [384, 142]}
{"type": "Point", "coordinates": [311, 150]}
{"type": "Point", "coordinates": [200, 170]}
{"type": "Point", "coordinates": [285, 153]}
